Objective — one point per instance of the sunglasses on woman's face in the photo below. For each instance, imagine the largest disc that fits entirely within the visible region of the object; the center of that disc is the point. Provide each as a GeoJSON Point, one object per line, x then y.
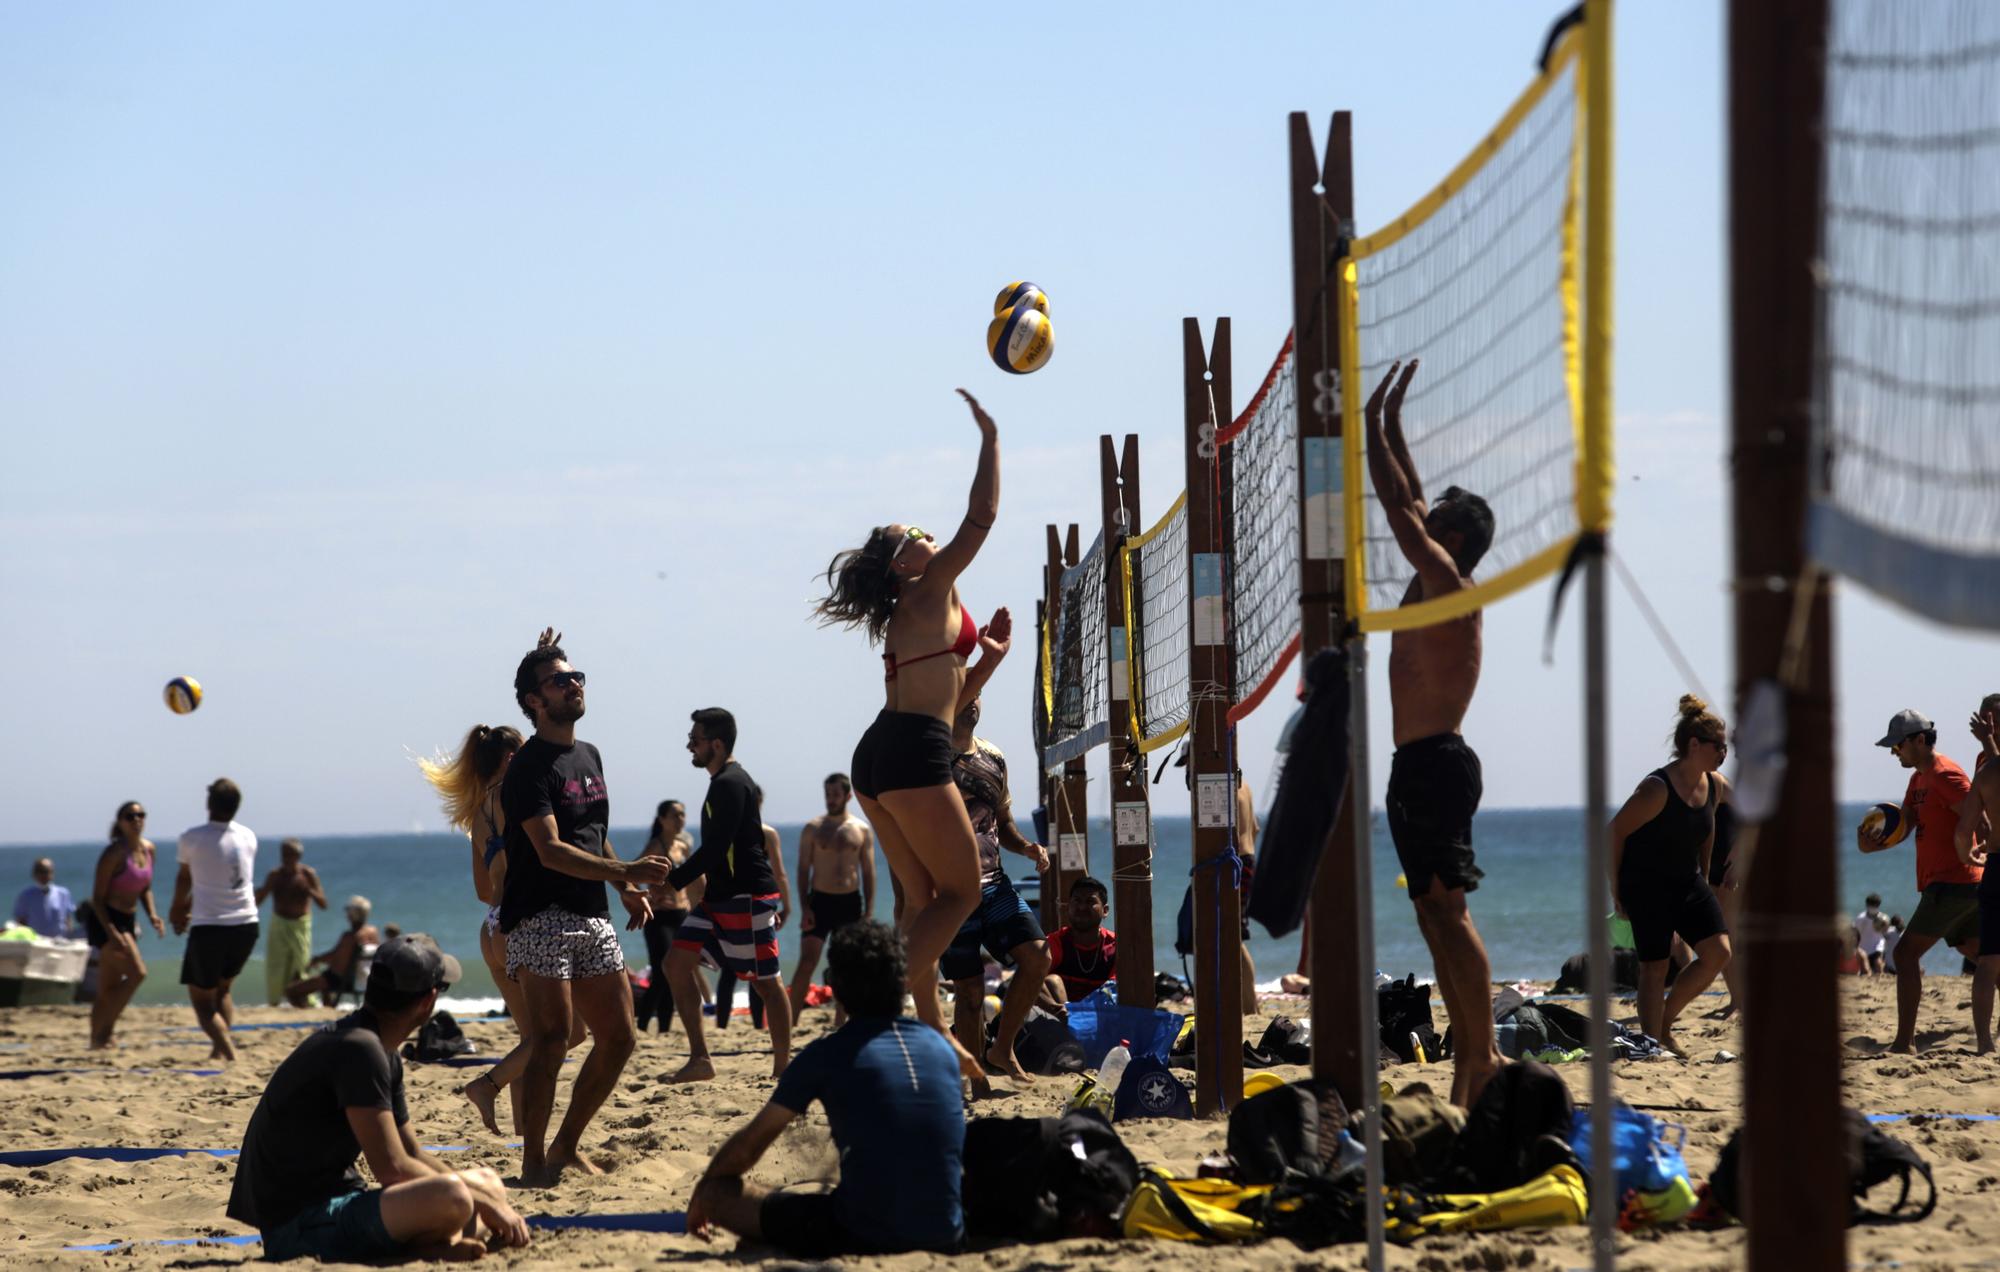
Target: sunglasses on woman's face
{"type": "Point", "coordinates": [914, 534]}
{"type": "Point", "coordinates": [564, 679]}
{"type": "Point", "coordinates": [135, 816]}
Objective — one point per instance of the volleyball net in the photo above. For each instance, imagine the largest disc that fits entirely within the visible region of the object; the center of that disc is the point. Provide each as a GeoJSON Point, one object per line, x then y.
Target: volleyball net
{"type": "Point", "coordinates": [1907, 479]}
{"type": "Point", "coordinates": [1481, 280]}
{"type": "Point", "coordinates": [1076, 676]}
{"type": "Point", "coordinates": [1153, 569]}
{"type": "Point", "coordinates": [1262, 447]}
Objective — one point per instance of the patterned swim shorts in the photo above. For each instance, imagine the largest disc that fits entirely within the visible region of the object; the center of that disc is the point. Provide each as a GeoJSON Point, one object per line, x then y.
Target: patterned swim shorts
{"type": "Point", "coordinates": [564, 946]}
{"type": "Point", "coordinates": [741, 933]}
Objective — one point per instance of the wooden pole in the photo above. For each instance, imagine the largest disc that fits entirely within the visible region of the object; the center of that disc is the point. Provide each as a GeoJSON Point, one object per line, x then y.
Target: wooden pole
{"type": "Point", "coordinates": [1131, 812]}
{"type": "Point", "coordinates": [1071, 791]}
{"type": "Point", "coordinates": [1218, 933]}
{"type": "Point", "coordinates": [1344, 1051]}
{"type": "Point", "coordinates": [1052, 786]}
{"type": "Point", "coordinates": [1795, 1164]}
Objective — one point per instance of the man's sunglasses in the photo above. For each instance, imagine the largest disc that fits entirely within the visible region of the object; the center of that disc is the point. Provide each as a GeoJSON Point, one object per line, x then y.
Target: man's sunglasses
{"type": "Point", "coordinates": [564, 679]}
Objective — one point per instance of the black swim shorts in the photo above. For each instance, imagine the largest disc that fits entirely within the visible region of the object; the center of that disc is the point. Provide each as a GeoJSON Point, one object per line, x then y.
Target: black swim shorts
{"type": "Point", "coordinates": [831, 912]}
{"type": "Point", "coordinates": [216, 953]}
{"type": "Point", "coordinates": [126, 921]}
{"type": "Point", "coordinates": [1434, 789]}
{"type": "Point", "coordinates": [1660, 907]}
{"type": "Point", "coordinates": [902, 751]}
{"type": "Point", "coordinates": [1989, 913]}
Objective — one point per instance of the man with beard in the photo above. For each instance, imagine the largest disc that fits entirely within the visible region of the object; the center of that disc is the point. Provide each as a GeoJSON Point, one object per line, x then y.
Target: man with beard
{"type": "Point", "coordinates": [836, 882]}
{"type": "Point", "coordinates": [561, 946]}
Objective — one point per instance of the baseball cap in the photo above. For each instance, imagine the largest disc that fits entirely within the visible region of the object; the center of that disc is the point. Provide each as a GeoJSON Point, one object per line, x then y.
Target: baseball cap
{"type": "Point", "coordinates": [413, 963]}
{"type": "Point", "coordinates": [1903, 724]}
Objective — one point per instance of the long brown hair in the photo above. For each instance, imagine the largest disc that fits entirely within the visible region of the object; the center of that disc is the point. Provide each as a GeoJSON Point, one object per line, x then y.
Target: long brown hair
{"type": "Point", "coordinates": [1697, 723]}
{"type": "Point", "coordinates": [862, 589]}
{"type": "Point", "coordinates": [463, 779]}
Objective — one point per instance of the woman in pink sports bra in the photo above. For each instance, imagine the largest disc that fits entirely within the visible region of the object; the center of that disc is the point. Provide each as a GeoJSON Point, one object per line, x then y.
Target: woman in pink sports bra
{"type": "Point", "coordinates": [124, 883]}
{"type": "Point", "coordinates": [902, 588]}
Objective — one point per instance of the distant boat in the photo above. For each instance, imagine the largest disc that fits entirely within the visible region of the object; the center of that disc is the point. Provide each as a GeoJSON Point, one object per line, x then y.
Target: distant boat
{"type": "Point", "coordinates": [36, 971]}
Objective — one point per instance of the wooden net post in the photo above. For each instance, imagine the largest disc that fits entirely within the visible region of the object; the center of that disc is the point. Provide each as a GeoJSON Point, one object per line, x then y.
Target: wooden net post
{"type": "Point", "coordinates": [1131, 814]}
{"type": "Point", "coordinates": [1068, 791]}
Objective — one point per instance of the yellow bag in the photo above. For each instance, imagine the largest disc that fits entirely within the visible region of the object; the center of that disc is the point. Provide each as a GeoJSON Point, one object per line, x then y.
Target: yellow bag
{"type": "Point", "coordinates": [1553, 1199]}
{"type": "Point", "coordinates": [1204, 1210]}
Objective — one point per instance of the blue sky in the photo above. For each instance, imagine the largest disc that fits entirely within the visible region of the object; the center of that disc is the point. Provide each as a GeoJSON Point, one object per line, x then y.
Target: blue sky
{"type": "Point", "coordinates": [343, 348]}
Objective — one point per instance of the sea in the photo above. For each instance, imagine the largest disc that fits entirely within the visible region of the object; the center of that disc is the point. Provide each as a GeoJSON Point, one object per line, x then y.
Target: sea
{"type": "Point", "coordinates": [1529, 908]}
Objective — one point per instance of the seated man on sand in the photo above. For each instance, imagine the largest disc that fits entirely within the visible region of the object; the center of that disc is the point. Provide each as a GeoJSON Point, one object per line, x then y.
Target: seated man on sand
{"type": "Point", "coordinates": [891, 1091]}
{"type": "Point", "coordinates": [1082, 955]}
{"type": "Point", "coordinates": [341, 962]}
{"type": "Point", "coordinates": [339, 1095]}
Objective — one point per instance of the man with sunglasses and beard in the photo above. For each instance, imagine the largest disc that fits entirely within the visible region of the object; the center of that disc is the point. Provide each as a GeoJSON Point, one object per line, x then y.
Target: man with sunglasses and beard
{"type": "Point", "coordinates": [561, 946]}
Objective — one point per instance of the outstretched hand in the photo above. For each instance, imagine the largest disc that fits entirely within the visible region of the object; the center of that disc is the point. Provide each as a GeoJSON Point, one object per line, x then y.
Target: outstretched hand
{"type": "Point", "coordinates": [550, 636]}
{"type": "Point", "coordinates": [997, 637]}
{"type": "Point", "coordinates": [1391, 394]}
{"type": "Point", "coordinates": [979, 415]}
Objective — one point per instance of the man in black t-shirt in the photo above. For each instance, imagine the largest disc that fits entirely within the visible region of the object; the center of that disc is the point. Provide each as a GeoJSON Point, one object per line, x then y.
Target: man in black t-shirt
{"type": "Point", "coordinates": [561, 946]}
{"type": "Point", "coordinates": [339, 1096]}
{"type": "Point", "coordinates": [740, 906]}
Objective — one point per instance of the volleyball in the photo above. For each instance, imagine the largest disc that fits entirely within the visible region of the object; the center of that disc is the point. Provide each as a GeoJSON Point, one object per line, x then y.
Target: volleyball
{"type": "Point", "coordinates": [1885, 820]}
{"type": "Point", "coordinates": [1021, 339]}
{"type": "Point", "coordinates": [183, 694]}
{"type": "Point", "coordinates": [1018, 294]}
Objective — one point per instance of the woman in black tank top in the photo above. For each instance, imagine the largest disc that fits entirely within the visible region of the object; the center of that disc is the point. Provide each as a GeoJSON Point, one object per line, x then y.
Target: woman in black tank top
{"type": "Point", "coordinates": [1661, 844]}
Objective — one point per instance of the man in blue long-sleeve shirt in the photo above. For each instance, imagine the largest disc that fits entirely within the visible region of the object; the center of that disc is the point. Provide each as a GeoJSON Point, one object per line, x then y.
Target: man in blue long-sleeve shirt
{"type": "Point", "coordinates": [739, 907]}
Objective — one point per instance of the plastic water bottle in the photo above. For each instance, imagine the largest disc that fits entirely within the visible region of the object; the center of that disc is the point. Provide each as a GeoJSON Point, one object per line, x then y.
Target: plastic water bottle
{"type": "Point", "coordinates": [1350, 1154]}
{"type": "Point", "coordinates": [1112, 1071]}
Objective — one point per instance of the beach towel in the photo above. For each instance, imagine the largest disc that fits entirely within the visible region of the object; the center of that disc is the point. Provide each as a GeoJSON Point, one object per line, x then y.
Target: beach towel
{"type": "Point", "coordinates": [287, 952]}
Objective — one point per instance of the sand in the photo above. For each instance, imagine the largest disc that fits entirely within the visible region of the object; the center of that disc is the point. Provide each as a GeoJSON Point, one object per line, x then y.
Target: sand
{"type": "Point", "coordinates": [657, 1139]}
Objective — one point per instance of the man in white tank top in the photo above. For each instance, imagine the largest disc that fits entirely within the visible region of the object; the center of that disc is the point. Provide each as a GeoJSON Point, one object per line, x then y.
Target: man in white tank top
{"type": "Point", "coordinates": [215, 903]}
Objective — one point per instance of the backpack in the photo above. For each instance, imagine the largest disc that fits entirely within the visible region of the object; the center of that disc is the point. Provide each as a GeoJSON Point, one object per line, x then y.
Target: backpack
{"type": "Point", "coordinates": [1044, 1045]}
{"type": "Point", "coordinates": [1287, 1041]}
{"type": "Point", "coordinates": [1873, 1157]}
{"type": "Point", "coordinates": [1046, 1178]}
{"type": "Point", "coordinates": [1403, 1008]}
{"type": "Point", "coordinates": [1419, 1133]}
{"type": "Point", "coordinates": [438, 1039]}
{"type": "Point", "coordinates": [1517, 1130]}
{"type": "Point", "coordinates": [1277, 1132]}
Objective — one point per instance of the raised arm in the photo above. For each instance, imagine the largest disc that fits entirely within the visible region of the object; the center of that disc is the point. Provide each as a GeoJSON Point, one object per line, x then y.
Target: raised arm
{"type": "Point", "coordinates": [995, 639]}
{"type": "Point", "coordinates": [1644, 805]}
{"type": "Point", "coordinates": [981, 508]}
{"type": "Point", "coordinates": [1399, 490]}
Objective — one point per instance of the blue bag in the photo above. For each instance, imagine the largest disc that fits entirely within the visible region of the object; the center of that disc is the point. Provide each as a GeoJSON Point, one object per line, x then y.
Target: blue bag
{"type": "Point", "coordinates": [1099, 1023]}
{"type": "Point", "coordinates": [1150, 1089]}
{"type": "Point", "coordinates": [1647, 1161]}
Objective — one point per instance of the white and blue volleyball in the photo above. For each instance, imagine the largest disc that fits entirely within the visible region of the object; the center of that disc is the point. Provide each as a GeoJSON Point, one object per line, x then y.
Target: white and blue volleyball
{"type": "Point", "coordinates": [1021, 339]}
{"type": "Point", "coordinates": [1885, 820]}
{"type": "Point", "coordinates": [183, 694]}
{"type": "Point", "coordinates": [1015, 295]}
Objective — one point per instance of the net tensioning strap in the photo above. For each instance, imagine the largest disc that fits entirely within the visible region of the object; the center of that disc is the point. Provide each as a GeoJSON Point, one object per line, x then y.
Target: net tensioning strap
{"type": "Point", "coordinates": [1153, 568]}
{"type": "Point", "coordinates": [1263, 581]}
{"type": "Point", "coordinates": [1907, 487]}
{"type": "Point", "coordinates": [1481, 281]}
{"type": "Point", "coordinates": [1079, 675]}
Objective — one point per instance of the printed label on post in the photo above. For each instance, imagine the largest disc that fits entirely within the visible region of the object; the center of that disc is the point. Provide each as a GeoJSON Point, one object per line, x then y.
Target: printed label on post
{"type": "Point", "coordinates": [1213, 794]}
{"type": "Point", "coordinates": [1130, 827]}
{"type": "Point", "coordinates": [1070, 850]}
{"type": "Point", "coordinates": [1323, 499]}
{"type": "Point", "coordinates": [1119, 671]}
{"type": "Point", "coordinates": [1207, 583]}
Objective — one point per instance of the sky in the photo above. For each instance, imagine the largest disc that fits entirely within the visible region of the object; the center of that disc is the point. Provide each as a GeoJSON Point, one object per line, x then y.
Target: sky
{"type": "Point", "coordinates": [342, 348]}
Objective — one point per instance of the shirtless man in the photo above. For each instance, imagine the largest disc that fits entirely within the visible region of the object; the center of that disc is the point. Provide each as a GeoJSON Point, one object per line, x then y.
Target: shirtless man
{"type": "Point", "coordinates": [294, 889]}
{"type": "Point", "coordinates": [339, 961]}
{"type": "Point", "coordinates": [836, 883]}
{"type": "Point", "coordinates": [1434, 780]}
{"type": "Point", "coordinates": [1975, 825]}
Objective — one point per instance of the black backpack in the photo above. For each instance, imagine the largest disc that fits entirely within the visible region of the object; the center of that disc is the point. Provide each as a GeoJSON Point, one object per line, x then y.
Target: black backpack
{"type": "Point", "coordinates": [1872, 1158]}
{"type": "Point", "coordinates": [1044, 1045]}
{"type": "Point", "coordinates": [1518, 1128]}
{"type": "Point", "coordinates": [438, 1038]}
{"type": "Point", "coordinates": [1286, 1130]}
{"type": "Point", "coordinates": [1403, 1008]}
{"type": "Point", "coordinates": [1045, 1178]}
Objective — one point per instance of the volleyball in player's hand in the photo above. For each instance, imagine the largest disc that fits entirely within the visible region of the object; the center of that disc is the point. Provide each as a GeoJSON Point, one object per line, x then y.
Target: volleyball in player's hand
{"type": "Point", "coordinates": [1884, 824]}
{"type": "Point", "coordinates": [1021, 337]}
{"type": "Point", "coordinates": [183, 694]}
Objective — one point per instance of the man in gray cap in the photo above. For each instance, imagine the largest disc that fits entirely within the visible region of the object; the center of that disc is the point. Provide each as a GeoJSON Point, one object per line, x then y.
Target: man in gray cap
{"type": "Point", "coordinates": [339, 1096]}
{"type": "Point", "coordinates": [1948, 887]}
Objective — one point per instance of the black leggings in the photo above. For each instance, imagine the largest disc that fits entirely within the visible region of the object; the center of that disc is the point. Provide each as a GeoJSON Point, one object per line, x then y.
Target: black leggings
{"type": "Point", "coordinates": [725, 1002]}
{"type": "Point", "coordinates": [658, 1000]}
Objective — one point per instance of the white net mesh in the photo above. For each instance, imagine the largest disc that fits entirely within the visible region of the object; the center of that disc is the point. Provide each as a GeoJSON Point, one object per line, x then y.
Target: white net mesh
{"type": "Point", "coordinates": [1156, 611]}
{"type": "Point", "coordinates": [1079, 716]}
{"type": "Point", "coordinates": [1263, 585]}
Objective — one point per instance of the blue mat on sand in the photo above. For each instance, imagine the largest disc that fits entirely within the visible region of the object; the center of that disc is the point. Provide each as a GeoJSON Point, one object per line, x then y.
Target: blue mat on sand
{"type": "Point", "coordinates": [43, 1156]}
{"type": "Point", "coordinates": [7, 1075]}
{"type": "Point", "coordinates": [1934, 1117]}
{"type": "Point", "coordinates": [665, 1221]}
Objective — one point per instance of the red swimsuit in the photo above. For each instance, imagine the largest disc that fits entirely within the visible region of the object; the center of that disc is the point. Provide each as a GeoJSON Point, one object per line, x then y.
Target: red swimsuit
{"type": "Point", "coordinates": [968, 640]}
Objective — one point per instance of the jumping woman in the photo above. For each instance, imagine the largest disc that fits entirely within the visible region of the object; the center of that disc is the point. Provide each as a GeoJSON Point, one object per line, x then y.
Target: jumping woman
{"type": "Point", "coordinates": [901, 586]}
{"type": "Point", "coordinates": [1661, 842]}
{"type": "Point", "coordinates": [123, 884]}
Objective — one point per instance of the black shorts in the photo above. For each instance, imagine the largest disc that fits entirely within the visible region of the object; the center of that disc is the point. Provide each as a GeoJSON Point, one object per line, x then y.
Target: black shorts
{"type": "Point", "coordinates": [1661, 907]}
{"type": "Point", "coordinates": [1002, 923]}
{"type": "Point", "coordinates": [831, 912]}
{"type": "Point", "coordinates": [902, 751]}
{"type": "Point", "coordinates": [216, 954]}
{"type": "Point", "coordinates": [1989, 913]}
{"type": "Point", "coordinates": [126, 921]}
{"type": "Point", "coordinates": [1434, 789]}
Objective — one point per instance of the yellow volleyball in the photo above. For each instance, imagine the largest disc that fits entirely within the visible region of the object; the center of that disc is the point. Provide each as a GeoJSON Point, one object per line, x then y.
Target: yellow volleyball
{"type": "Point", "coordinates": [1021, 339]}
{"type": "Point", "coordinates": [1018, 295]}
{"type": "Point", "coordinates": [1886, 820]}
{"type": "Point", "coordinates": [183, 694]}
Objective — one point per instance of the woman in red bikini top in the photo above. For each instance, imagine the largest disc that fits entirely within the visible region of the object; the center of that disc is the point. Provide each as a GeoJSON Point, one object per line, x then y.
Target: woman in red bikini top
{"type": "Point", "coordinates": [901, 587]}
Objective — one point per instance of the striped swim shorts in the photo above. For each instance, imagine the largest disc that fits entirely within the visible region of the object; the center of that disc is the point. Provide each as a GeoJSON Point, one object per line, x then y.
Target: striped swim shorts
{"type": "Point", "coordinates": [745, 931]}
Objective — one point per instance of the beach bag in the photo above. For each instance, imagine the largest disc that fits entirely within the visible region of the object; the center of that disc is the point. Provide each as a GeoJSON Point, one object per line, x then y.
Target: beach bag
{"type": "Point", "coordinates": [1287, 1041]}
{"type": "Point", "coordinates": [1873, 1157]}
{"type": "Point", "coordinates": [1044, 1045]}
{"type": "Point", "coordinates": [1099, 1023]}
{"type": "Point", "coordinates": [1211, 1211]}
{"type": "Point", "coordinates": [1045, 1178]}
{"type": "Point", "coordinates": [1277, 1132]}
{"type": "Point", "coordinates": [1554, 1199]}
{"type": "Point", "coordinates": [1647, 1161]}
{"type": "Point", "coordinates": [438, 1038]}
{"type": "Point", "coordinates": [1403, 1009]}
{"type": "Point", "coordinates": [1150, 1089]}
{"type": "Point", "coordinates": [1419, 1132]}
{"type": "Point", "coordinates": [1518, 1130]}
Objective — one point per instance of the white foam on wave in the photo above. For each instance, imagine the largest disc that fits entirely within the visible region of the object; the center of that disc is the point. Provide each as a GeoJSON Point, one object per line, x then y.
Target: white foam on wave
{"type": "Point", "coordinates": [463, 1007]}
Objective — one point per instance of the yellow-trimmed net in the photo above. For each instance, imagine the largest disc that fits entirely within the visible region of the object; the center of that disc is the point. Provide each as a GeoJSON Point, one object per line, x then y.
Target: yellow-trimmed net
{"type": "Point", "coordinates": [1153, 568]}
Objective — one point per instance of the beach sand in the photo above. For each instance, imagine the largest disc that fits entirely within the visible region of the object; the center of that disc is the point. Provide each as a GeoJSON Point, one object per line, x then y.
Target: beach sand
{"type": "Point", "coordinates": [656, 1139]}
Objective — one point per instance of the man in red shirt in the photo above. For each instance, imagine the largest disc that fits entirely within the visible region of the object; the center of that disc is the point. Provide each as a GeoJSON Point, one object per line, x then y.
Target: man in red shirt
{"type": "Point", "coordinates": [1083, 955]}
{"type": "Point", "coordinates": [1948, 908]}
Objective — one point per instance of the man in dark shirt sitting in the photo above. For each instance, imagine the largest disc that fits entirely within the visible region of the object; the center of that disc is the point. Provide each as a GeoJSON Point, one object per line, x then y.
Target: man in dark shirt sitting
{"type": "Point", "coordinates": [890, 1087]}
{"type": "Point", "coordinates": [339, 1095]}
